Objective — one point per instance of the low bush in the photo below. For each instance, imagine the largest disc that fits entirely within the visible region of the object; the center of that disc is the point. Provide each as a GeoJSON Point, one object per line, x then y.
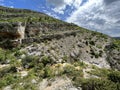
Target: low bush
{"type": "Point", "coordinates": [8, 79]}
{"type": "Point", "coordinates": [47, 60]}
{"type": "Point", "coordinates": [114, 76]}
{"type": "Point", "coordinates": [98, 84]}
{"type": "Point", "coordinates": [30, 61]}
{"type": "Point", "coordinates": [71, 72]}
{"type": "Point", "coordinates": [6, 70]}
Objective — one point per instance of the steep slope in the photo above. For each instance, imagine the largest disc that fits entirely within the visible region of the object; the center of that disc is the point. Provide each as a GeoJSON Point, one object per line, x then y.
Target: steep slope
{"type": "Point", "coordinates": [36, 47]}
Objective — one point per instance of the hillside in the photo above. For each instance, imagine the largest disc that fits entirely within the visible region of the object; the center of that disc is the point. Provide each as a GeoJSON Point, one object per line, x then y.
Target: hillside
{"type": "Point", "coordinates": [39, 52]}
{"type": "Point", "coordinates": [116, 37]}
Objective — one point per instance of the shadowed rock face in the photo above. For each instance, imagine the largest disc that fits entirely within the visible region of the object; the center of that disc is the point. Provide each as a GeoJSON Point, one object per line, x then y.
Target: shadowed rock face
{"type": "Point", "coordinates": [12, 31]}
{"type": "Point", "coordinates": [11, 34]}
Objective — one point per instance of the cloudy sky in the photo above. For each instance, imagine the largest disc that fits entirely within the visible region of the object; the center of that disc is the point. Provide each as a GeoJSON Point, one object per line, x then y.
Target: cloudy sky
{"type": "Point", "coordinates": [98, 15]}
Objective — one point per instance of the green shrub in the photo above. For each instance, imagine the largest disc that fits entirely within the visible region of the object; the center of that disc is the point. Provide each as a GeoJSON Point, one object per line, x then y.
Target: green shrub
{"type": "Point", "coordinates": [65, 58]}
{"type": "Point", "coordinates": [6, 70]}
{"type": "Point", "coordinates": [26, 83]}
{"type": "Point", "coordinates": [48, 72]}
{"type": "Point", "coordinates": [18, 53]}
{"type": "Point", "coordinates": [2, 56]}
{"type": "Point", "coordinates": [30, 61]}
{"type": "Point", "coordinates": [47, 60]}
{"type": "Point", "coordinates": [92, 43]}
{"type": "Point", "coordinates": [8, 79]}
{"type": "Point", "coordinates": [114, 76]}
{"type": "Point", "coordinates": [6, 56]}
{"type": "Point", "coordinates": [86, 43]}
{"type": "Point", "coordinates": [100, 72]}
{"type": "Point", "coordinates": [80, 63]}
{"type": "Point", "coordinates": [98, 84]}
{"type": "Point", "coordinates": [71, 72]}
{"type": "Point", "coordinates": [115, 44]}
{"type": "Point", "coordinates": [95, 54]}
{"type": "Point", "coordinates": [100, 53]}
{"type": "Point", "coordinates": [39, 66]}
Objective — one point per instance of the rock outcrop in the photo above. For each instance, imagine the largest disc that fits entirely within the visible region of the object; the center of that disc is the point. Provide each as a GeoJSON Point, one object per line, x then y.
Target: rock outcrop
{"type": "Point", "coordinates": [11, 34]}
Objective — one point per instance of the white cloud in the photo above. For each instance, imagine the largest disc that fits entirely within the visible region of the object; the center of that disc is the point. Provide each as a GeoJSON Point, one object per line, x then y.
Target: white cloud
{"type": "Point", "coordinates": [59, 10]}
{"type": "Point", "coordinates": [100, 15]}
{"type": "Point", "coordinates": [77, 3]}
{"type": "Point", "coordinates": [60, 5]}
{"type": "Point", "coordinates": [51, 14]}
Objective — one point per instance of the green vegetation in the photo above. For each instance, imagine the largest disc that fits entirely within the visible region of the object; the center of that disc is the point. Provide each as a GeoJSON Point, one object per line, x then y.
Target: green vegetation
{"type": "Point", "coordinates": [65, 58]}
{"type": "Point", "coordinates": [39, 68]}
{"type": "Point", "coordinates": [72, 72]}
{"type": "Point", "coordinates": [95, 53]}
{"type": "Point", "coordinates": [9, 79]}
{"type": "Point", "coordinates": [114, 76]}
{"type": "Point", "coordinates": [5, 70]}
{"type": "Point", "coordinates": [81, 64]}
{"type": "Point", "coordinates": [6, 56]}
{"type": "Point", "coordinates": [99, 72]}
{"type": "Point", "coordinates": [116, 44]}
{"type": "Point", "coordinates": [92, 43]}
{"type": "Point", "coordinates": [107, 80]}
{"type": "Point", "coordinates": [47, 60]}
{"type": "Point", "coordinates": [30, 61]}
{"type": "Point", "coordinates": [22, 15]}
{"type": "Point", "coordinates": [99, 84]}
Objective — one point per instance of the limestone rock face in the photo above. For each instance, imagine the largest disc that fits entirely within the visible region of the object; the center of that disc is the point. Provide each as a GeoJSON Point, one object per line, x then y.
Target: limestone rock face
{"type": "Point", "coordinates": [21, 30]}
{"type": "Point", "coordinates": [12, 30]}
{"type": "Point", "coordinates": [12, 33]}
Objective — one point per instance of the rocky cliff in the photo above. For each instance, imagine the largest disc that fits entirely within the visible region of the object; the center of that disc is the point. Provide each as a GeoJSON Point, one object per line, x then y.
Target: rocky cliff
{"type": "Point", "coordinates": [43, 50]}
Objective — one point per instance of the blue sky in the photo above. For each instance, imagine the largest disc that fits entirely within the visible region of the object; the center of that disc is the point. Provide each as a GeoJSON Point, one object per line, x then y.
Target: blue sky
{"type": "Point", "coordinates": [98, 15]}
